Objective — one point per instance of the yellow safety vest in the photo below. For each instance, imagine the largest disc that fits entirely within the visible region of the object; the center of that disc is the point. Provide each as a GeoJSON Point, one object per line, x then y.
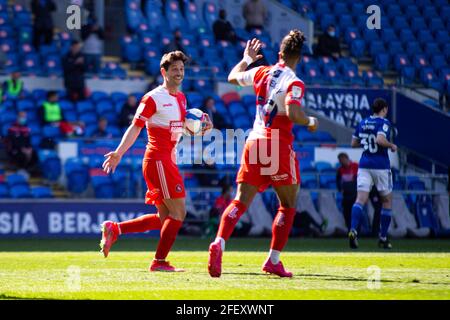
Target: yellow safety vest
{"type": "Point", "coordinates": [14, 90]}
{"type": "Point", "coordinates": [52, 112]}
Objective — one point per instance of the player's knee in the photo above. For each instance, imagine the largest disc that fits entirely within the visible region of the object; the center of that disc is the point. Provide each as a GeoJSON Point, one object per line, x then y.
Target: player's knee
{"type": "Point", "coordinates": [178, 215]}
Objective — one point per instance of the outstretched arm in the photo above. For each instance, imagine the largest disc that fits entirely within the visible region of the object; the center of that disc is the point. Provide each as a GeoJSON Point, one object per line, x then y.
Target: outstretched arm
{"type": "Point", "coordinates": [250, 56]}
{"type": "Point", "coordinates": [113, 158]}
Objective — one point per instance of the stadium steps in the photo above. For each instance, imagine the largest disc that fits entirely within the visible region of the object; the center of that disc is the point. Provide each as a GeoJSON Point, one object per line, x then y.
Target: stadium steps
{"type": "Point", "coordinates": [126, 66]}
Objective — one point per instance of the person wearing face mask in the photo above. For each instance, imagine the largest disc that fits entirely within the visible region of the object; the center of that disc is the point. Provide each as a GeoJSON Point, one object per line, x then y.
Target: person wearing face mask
{"type": "Point", "coordinates": [328, 44]}
{"type": "Point", "coordinates": [176, 43]}
{"type": "Point", "coordinates": [18, 144]}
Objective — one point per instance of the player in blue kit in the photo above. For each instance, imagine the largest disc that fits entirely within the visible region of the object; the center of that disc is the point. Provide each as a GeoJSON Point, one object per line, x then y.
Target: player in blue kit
{"type": "Point", "coordinates": [372, 135]}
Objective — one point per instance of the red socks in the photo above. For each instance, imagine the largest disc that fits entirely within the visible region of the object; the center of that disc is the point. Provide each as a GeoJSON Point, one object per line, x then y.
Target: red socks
{"type": "Point", "coordinates": [144, 223]}
{"type": "Point", "coordinates": [229, 219]}
{"type": "Point", "coordinates": [169, 232]}
{"type": "Point", "coordinates": [281, 228]}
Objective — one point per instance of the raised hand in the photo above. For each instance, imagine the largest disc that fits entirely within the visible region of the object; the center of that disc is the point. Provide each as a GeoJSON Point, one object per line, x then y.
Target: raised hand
{"type": "Point", "coordinates": [253, 48]}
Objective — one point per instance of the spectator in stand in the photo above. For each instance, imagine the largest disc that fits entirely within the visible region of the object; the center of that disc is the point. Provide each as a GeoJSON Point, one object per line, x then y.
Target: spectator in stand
{"type": "Point", "coordinates": [43, 21]}
{"type": "Point", "coordinates": [255, 14]}
{"type": "Point", "coordinates": [128, 111]}
{"type": "Point", "coordinates": [92, 35]}
{"type": "Point", "coordinates": [223, 30]}
{"type": "Point", "coordinates": [102, 131]}
{"type": "Point", "coordinates": [74, 69]}
{"type": "Point", "coordinates": [51, 115]}
{"type": "Point", "coordinates": [346, 184]}
{"type": "Point", "coordinates": [328, 44]}
{"type": "Point", "coordinates": [12, 89]}
{"type": "Point", "coordinates": [220, 204]}
{"type": "Point", "coordinates": [209, 107]}
{"type": "Point", "coordinates": [176, 43]}
{"type": "Point", "coordinates": [18, 145]}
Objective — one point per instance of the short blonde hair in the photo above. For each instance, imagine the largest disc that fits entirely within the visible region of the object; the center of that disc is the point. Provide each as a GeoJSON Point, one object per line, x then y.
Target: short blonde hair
{"type": "Point", "coordinates": [171, 57]}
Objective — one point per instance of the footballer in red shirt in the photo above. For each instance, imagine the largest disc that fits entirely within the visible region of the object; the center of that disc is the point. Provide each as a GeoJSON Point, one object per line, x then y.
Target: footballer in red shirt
{"type": "Point", "coordinates": [162, 112]}
{"type": "Point", "coordinates": [268, 157]}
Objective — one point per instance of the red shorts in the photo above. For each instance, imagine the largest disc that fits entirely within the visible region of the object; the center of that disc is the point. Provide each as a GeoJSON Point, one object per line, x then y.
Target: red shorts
{"type": "Point", "coordinates": [281, 170]}
{"type": "Point", "coordinates": [163, 180]}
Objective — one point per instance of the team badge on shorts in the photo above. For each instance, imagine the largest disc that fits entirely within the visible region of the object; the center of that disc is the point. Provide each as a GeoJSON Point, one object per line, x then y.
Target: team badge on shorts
{"type": "Point", "coordinates": [178, 188]}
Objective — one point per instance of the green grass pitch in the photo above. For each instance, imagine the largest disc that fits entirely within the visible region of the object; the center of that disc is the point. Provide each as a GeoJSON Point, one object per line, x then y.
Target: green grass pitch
{"type": "Point", "coordinates": [323, 269]}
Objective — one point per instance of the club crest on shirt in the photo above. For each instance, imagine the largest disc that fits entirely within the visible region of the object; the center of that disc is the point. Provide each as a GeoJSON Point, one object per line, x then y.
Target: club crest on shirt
{"type": "Point", "coordinates": [178, 188]}
{"type": "Point", "coordinates": [296, 92]}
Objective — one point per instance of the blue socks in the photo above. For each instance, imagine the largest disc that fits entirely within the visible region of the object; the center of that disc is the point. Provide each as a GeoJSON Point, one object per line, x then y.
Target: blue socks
{"type": "Point", "coordinates": [357, 211]}
{"type": "Point", "coordinates": [385, 221]}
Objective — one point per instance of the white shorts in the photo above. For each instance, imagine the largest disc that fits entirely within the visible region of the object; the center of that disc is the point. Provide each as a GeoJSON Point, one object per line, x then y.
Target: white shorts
{"type": "Point", "coordinates": [381, 178]}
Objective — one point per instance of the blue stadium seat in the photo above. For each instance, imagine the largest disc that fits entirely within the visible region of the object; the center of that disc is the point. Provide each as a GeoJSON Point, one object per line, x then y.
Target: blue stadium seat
{"type": "Point", "coordinates": [236, 108]}
{"type": "Point", "coordinates": [31, 63]}
{"type": "Point", "coordinates": [357, 48]}
{"type": "Point", "coordinates": [173, 15]}
{"type": "Point", "coordinates": [406, 36]}
{"type": "Point", "coordinates": [322, 165]}
{"type": "Point", "coordinates": [382, 61]}
{"type": "Point", "coordinates": [96, 96]}
{"type": "Point", "coordinates": [435, 23]}
{"type": "Point", "coordinates": [133, 14]}
{"type": "Point", "coordinates": [77, 175]}
{"type": "Point", "coordinates": [324, 137]}
{"type": "Point", "coordinates": [20, 191]}
{"type": "Point", "coordinates": [50, 164]}
{"type": "Point", "coordinates": [52, 65]}
{"type": "Point", "coordinates": [193, 16]}
{"type": "Point", "coordinates": [88, 118]}
{"type": "Point", "coordinates": [85, 106]}
{"type": "Point", "coordinates": [4, 191]}
{"type": "Point", "coordinates": [131, 49]}
{"type": "Point", "coordinates": [155, 18]}
{"type": "Point", "coordinates": [103, 187]}
{"type": "Point", "coordinates": [309, 181]}
{"type": "Point", "coordinates": [242, 122]}
{"type": "Point", "coordinates": [425, 213]}
{"type": "Point", "coordinates": [393, 10]}
{"type": "Point", "coordinates": [16, 180]}
{"type": "Point", "coordinates": [51, 132]}
{"type": "Point", "coordinates": [210, 13]}
{"type": "Point", "coordinates": [376, 47]}
{"type": "Point", "coordinates": [118, 96]}
{"type": "Point", "coordinates": [418, 23]}
{"type": "Point", "coordinates": [372, 80]}
{"type": "Point", "coordinates": [400, 23]}
{"type": "Point", "coordinates": [25, 105]}
{"type": "Point", "coordinates": [41, 192]}
{"type": "Point", "coordinates": [394, 47]}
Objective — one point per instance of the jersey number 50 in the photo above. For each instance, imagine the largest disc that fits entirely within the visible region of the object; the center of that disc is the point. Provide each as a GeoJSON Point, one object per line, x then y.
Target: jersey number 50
{"type": "Point", "coordinates": [368, 142]}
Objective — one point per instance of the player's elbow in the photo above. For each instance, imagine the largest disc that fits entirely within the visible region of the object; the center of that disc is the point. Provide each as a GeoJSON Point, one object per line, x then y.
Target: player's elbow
{"type": "Point", "coordinates": [232, 79]}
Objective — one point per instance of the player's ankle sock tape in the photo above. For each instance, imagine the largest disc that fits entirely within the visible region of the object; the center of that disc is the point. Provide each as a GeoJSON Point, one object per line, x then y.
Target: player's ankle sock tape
{"type": "Point", "coordinates": [230, 217]}
{"type": "Point", "coordinates": [281, 228]}
{"type": "Point", "coordinates": [169, 233]}
{"type": "Point", "coordinates": [144, 223]}
{"type": "Point", "coordinates": [357, 211]}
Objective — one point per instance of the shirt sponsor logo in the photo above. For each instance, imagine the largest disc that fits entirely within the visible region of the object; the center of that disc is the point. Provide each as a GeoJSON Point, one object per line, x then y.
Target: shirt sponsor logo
{"type": "Point", "coordinates": [167, 105]}
{"type": "Point", "coordinates": [280, 177]}
{"type": "Point", "coordinates": [176, 126]}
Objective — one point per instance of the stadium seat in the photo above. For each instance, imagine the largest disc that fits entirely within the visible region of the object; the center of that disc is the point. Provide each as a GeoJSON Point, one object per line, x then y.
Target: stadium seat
{"type": "Point", "coordinates": [133, 14]}
{"type": "Point", "coordinates": [382, 61]}
{"type": "Point", "coordinates": [425, 213]}
{"type": "Point", "coordinates": [173, 15]}
{"type": "Point", "coordinates": [77, 175]}
{"type": "Point", "coordinates": [20, 191]}
{"type": "Point", "coordinates": [16, 180]}
{"type": "Point", "coordinates": [50, 164]}
{"type": "Point", "coordinates": [41, 192]}
{"type": "Point", "coordinates": [193, 16]}
{"type": "Point", "coordinates": [103, 187]}
{"type": "Point", "coordinates": [85, 106]}
{"type": "Point", "coordinates": [4, 191]}
{"type": "Point", "coordinates": [210, 13]}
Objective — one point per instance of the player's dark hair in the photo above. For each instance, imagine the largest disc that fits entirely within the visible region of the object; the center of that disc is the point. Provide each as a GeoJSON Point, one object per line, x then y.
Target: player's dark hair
{"type": "Point", "coordinates": [292, 44]}
{"type": "Point", "coordinates": [378, 105]}
{"type": "Point", "coordinates": [52, 94]}
{"type": "Point", "coordinates": [343, 155]}
{"type": "Point", "coordinates": [171, 57]}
